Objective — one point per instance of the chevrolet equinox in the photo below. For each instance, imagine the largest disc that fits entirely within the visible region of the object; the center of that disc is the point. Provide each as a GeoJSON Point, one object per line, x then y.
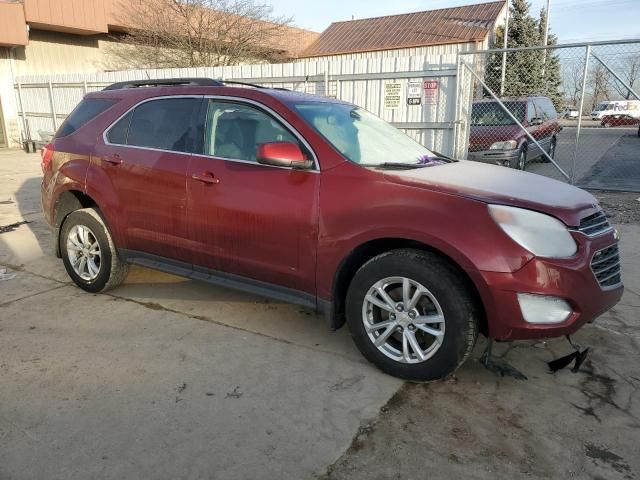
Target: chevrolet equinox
{"type": "Point", "coordinates": [318, 202]}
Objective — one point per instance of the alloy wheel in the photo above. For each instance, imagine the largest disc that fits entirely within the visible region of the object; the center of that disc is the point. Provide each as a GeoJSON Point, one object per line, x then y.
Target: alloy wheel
{"type": "Point", "coordinates": [84, 253]}
{"type": "Point", "coordinates": [403, 320]}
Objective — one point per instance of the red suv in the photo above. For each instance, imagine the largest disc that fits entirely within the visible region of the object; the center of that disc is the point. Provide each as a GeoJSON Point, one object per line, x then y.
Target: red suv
{"type": "Point", "coordinates": [318, 202]}
{"type": "Point", "coordinates": [496, 138]}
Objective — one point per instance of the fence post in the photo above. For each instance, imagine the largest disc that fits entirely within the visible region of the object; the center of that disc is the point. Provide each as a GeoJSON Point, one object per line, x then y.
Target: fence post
{"type": "Point", "coordinates": [456, 109]}
{"type": "Point", "coordinates": [84, 87]}
{"type": "Point", "coordinates": [587, 54]}
{"type": "Point", "coordinates": [326, 78]}
{"type": "Point", "coordinates": [22, 113]}
{"type": "Point", "coordinates": [53, 107]}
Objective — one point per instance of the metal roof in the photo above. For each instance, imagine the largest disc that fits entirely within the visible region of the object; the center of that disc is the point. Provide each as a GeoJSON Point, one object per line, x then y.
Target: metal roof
{"type": "Point", "coordinates": [433, 27]}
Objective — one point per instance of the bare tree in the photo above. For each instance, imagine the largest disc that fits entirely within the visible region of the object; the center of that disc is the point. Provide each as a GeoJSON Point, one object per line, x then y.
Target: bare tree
{"type": "Point", "coordinates": [629, 71]}
{"type": "Point", "coordinates": [599, 80]}
{"type": "Point", "coordinates": [572, 72]}
{"type": "Point", "coordinates": [195, 33]}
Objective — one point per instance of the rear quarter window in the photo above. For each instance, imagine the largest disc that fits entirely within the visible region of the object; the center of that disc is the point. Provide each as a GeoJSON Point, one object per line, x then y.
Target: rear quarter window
{"type": "Point", "coordinates": [87, 110]}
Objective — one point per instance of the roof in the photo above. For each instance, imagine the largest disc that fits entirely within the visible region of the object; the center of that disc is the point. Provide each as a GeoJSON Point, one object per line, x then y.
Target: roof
{"type": "Point", "coordinates": [433, 27]}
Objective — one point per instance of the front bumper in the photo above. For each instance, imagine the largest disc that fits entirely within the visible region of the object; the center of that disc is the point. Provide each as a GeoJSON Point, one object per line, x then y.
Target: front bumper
{"type": "Point", "coordinates": [507, 158]}
{"type": "Point", "coordinates": [568, 279]}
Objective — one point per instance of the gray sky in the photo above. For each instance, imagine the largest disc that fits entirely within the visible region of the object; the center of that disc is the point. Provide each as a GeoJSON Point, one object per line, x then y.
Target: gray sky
{"type": "Point", "coordinates": [571, 20]}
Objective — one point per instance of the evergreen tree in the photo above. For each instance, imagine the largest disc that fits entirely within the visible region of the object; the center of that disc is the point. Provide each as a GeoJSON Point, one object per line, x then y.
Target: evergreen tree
{"type": "Point", "coordinates": [527, 72]}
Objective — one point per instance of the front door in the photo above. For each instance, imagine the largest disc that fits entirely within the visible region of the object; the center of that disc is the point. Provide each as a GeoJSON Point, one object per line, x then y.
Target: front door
{"type": "Point", "coordinates": [248, 219]}
{"type": "Point", "coordinates": [146, 157]}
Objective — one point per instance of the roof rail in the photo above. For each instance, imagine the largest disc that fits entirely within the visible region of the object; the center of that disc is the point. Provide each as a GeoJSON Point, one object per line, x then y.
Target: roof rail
{"type": "Point", "coordinates": [166, 82]}
{"type": "Point", "coordinates": [246, 84]}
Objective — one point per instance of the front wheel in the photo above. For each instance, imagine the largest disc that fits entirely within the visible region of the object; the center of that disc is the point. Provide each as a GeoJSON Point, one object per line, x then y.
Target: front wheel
{"type": "Point", "coordinates": [88, 252]}
{"type": "Point", "coordinates": [412, 315]}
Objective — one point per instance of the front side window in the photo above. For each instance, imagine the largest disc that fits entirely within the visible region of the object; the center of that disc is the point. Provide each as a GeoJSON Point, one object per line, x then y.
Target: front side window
{"type": "Point", "coordinates": [235, 131]}
{"type": "Point", "coordinates": [163, 124]}
{"type": "Point", "coordinates": [531, 111]}
{"type": "Point", "coordinates": [493, 114]}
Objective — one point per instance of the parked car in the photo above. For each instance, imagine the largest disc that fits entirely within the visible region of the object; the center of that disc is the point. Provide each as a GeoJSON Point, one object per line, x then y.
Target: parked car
{"type": "Point", "coordinates": [318, 202]}
{"type": "Point", "coordinates": [619, 120]}
{"type": "Point", "coordinates": [570, 113]}
{"type": "Point", "coordinates": [497, 138]}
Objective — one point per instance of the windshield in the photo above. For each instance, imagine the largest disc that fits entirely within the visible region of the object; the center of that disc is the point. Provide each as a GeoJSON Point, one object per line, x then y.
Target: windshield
{"type": "Point", "coordinates": [491, 113]}
{"type": "Point", "coordinates": [361, 136]}
{"type": "Point", "coordinates": [604, 106]}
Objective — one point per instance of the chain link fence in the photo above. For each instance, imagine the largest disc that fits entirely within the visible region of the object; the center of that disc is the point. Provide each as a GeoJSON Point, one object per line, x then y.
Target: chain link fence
{"type": "Point", "coordinates": [571, 112]}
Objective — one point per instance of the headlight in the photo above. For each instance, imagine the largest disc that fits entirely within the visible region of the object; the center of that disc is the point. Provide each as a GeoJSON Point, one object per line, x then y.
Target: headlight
{"type": "Point", "coordinates": [541, 234]}
{"type": "Point", "coordinates": [508, 145]}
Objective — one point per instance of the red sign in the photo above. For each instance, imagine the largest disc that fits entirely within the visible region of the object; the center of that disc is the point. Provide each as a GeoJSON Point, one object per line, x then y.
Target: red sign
{"type": "Point", "coordinates": [430, 92]}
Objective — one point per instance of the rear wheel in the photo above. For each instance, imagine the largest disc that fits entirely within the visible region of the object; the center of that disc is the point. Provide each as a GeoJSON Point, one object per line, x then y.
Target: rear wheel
{"type": "Point", "coordinates": [411, 314]}
{"type": "Point", "coordinates": [88, 252]}
{"type": "Point", "coordinates": [522, 160]}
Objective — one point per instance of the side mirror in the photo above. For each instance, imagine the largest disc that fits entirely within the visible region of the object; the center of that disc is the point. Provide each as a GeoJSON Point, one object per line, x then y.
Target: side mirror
{"type": "Point", "coordinates": [282, 154]}
{"type": "Point", "coordinates": [536, 121]}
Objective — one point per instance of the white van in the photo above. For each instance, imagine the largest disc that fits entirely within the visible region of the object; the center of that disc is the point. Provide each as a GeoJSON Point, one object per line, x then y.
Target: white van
{"type": "Point", "coordinates": [611, 107]}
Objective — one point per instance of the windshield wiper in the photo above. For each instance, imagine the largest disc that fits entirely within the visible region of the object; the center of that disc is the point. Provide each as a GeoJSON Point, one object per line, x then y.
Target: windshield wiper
{"type": "Point", "coordinates": [392, 165]}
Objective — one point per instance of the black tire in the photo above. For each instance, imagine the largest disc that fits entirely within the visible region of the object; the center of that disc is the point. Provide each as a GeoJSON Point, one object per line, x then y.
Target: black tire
{"type": "Point", "coordinates": [453, 294]}
{"type": "Point", "coordinates": [607, 125]}
{"type": "Point", "coordinates": [522, 160]}
{"type": "Point", "coordinates": [551, 151]}
{"type": "Point", "coordinates": [112, 271]}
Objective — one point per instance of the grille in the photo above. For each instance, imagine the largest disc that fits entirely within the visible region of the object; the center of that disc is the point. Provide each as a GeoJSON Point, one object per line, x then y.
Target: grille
{"type": "Point", "coordinates": [594, 224]}
{"type": "Point", "coordinates": [606, 266]}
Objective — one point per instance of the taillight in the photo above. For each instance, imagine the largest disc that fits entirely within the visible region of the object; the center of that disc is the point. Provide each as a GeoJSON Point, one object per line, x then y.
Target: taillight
{"type": "Point", "coordinates": [47, 155]}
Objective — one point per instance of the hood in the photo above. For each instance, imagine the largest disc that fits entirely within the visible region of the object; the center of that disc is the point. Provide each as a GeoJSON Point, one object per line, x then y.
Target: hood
{"type": "Point", "coordinates": [493, 184]}
{"type": "Point", "coordinates": [482, 136]}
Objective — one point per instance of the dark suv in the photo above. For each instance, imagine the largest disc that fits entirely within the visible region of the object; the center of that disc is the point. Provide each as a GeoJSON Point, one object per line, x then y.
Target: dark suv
{"type": "Point", "coordinates": [496, 138]}
{"type": "Point", "coordinates": [318, 202]}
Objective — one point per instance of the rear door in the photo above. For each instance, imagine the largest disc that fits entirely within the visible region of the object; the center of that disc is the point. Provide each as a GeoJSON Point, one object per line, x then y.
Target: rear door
{"type": "Point", "coordinates": [245, 218]}
{"type": "Point", "coordinates": [146, 155]}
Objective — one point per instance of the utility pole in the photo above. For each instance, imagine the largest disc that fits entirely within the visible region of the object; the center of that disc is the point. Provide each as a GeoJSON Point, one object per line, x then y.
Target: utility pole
{"type": "Point", "coordinates": [505, 37]}
{"type": "Point", "coordinates": [545, 36]}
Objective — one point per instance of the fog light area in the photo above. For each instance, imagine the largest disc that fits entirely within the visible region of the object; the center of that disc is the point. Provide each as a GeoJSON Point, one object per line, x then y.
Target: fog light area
{"type": "Point", "coordinates": [543, 309]}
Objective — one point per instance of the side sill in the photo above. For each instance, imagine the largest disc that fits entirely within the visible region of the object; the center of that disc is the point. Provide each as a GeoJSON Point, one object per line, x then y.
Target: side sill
{"type": "Point", "coordinates": [223, 279]}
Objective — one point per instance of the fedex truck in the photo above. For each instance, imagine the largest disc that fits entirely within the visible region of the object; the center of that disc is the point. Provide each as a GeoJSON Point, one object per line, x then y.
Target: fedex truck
{"type": "Point", "coordinates": [611, 107]}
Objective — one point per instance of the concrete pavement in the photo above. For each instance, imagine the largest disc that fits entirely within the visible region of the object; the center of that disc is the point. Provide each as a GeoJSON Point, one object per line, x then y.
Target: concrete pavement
{"type": "Point", "coordinates": [164, 378]}
{"type": "Point", "coordinates": [170, 378]}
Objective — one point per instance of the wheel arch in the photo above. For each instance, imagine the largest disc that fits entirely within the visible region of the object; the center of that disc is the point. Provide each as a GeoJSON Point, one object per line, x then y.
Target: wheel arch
{"type": "Point", "coordinates": [68, 202]}
{"type": "Point", "coordinates": [368, 250]}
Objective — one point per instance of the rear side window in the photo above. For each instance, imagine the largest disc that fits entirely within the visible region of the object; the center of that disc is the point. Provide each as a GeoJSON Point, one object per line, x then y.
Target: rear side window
{"type": "Point", "coordinates": [118, 133]}
{"type": "Point", "coordinates": [163, 124]}
{"type": "Point", "coordinates": [87, 110]}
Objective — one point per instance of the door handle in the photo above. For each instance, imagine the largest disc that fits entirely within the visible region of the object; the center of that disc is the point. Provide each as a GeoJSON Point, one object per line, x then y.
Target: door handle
{"type": "Point", "coordinates": [206, 178]}
{"type": "Point", "coordinates": [114, 159]}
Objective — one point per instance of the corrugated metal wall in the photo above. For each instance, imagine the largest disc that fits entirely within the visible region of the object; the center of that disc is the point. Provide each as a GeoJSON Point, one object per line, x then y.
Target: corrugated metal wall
{"type": "Point", "coordinates": [44, 101]}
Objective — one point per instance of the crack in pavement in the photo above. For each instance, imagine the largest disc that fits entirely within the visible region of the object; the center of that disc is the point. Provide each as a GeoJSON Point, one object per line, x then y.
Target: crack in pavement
{"type": "Point", "coordinates": [5, 304]}
{"type": "Point", "coordinates": [158, 307]}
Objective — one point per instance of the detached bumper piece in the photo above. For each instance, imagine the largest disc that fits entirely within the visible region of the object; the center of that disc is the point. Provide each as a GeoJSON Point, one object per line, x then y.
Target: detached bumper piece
{"type": "Point", "coordinates": [562, 362]}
